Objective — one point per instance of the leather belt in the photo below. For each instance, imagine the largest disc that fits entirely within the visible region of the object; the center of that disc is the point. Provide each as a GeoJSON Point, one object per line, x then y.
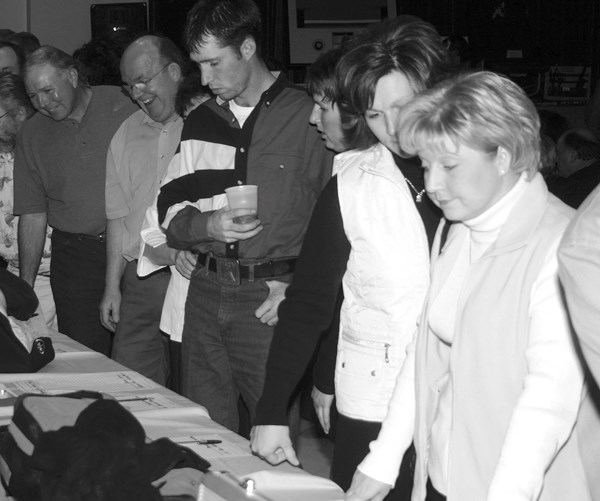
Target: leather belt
{"type": "Point", "coordinates": [231, 271]}
{"type": "Point", "coordinates": [82, 236]}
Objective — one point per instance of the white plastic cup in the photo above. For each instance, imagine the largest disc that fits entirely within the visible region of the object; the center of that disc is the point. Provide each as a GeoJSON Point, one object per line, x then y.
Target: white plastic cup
{"type": "Point", "coordinates": [244, 196]}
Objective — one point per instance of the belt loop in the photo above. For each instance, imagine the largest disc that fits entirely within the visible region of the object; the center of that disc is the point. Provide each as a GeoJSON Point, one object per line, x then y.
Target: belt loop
{"type": "Point", "coordinates": [207, 264]}
{"type": "Point", "coordinates": [250, 273]}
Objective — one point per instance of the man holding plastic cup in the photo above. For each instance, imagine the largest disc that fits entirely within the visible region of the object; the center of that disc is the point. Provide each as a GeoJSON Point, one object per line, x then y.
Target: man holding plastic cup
{"type": "Point", "coordinates": [243, 197]}
{"type": "Point", "coordinates": [254, 132]}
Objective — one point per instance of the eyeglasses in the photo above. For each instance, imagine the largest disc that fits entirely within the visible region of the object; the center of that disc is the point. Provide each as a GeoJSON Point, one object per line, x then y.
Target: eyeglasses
{"type": "Point", "coordinates": [4, 114]}
{"type": "Point", "coordinates": [141, 86]}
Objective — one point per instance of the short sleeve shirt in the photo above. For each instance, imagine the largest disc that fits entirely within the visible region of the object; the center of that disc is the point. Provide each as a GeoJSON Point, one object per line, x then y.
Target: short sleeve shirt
{"type": "Point", "coordinates": [138, 157]}
{"type": "Point", "coordinates": [60, 167]}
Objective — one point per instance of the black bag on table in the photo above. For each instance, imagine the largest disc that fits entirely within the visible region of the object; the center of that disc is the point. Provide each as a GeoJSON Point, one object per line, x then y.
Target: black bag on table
{"type": "Point", "coordinates": [24, 342]}
{"type": "Point", "coordinates": [85, 446]}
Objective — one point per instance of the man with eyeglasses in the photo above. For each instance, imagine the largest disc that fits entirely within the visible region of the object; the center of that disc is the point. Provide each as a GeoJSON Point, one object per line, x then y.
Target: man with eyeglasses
{"type": "Point", "coordinates": [60, 173]}
{"type": "Point", "coordinates": [138, 158]}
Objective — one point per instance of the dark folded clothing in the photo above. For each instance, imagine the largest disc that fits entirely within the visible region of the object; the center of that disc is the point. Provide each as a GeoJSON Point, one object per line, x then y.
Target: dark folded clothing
{"type": "Point", "coordinates": [24, 347]}
{"type": "Point", "coordinates": [21, 301]}
{"type": "Point", "coordinates": [104, 456]}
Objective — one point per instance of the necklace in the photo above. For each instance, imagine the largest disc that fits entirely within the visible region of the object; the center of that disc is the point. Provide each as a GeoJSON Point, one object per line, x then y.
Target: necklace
{"type": "Point", "coordinates": [419, 194]}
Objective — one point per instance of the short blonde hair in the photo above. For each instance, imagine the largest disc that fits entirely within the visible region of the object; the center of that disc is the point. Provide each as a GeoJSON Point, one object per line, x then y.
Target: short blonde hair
{"type": "Point", "coordinates": [481, 110]}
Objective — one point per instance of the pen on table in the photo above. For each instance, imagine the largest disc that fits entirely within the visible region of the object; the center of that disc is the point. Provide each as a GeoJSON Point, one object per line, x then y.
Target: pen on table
{"type": "Point", "coordinates": [139, 399]}
{"type": "Point", "coordinates": [202, 442]}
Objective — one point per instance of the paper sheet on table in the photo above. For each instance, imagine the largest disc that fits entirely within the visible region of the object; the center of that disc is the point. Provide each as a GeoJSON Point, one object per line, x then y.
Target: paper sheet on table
{"type": "Point", "coordinates": [284, 486]}
{"type": "Point", "coordinates": [107, 382]}
{"type": "Point", "coordinates": [223, 449]}
{"type": "Point", "coordinates": [146, 402]}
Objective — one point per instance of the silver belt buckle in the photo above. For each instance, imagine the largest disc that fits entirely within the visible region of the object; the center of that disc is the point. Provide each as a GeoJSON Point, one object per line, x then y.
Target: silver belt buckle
{"type": "Point", "coordinates": [228, 271]}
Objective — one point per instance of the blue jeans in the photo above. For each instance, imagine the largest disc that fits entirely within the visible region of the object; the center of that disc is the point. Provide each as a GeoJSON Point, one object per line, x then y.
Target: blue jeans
{"type": "Point", "coordinates": [138, 342]}
{"type": "Point", "coordinates": [77, 272]}
{"type": "Point", "coordinates": [224, 347]}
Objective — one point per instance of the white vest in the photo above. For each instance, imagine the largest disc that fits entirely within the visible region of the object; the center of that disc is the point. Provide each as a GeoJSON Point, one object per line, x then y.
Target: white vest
{"type": "Point", "coordinates": [385, 281]}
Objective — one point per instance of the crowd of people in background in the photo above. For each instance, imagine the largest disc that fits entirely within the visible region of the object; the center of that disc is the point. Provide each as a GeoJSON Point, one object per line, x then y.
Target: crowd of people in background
{"type": "Point", "coordinates": [416, 245]}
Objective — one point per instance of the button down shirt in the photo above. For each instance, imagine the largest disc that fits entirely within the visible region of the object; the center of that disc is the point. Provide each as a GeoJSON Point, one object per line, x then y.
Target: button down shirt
{"type": "Point", "coordinates": [275, 149]}
{"type": "Point", "coordinates": [138, 158]}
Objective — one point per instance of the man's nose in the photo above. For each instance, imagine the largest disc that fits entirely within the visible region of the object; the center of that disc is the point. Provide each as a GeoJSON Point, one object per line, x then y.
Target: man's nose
{"type": "Point", "coordinates": [315, 115]}
{"type": "Point", "coordinates": [206, 76]}
{"type": "Point", "coordinates": [42, 100]}
{"type": "Point", "coordinates": [135, 92]}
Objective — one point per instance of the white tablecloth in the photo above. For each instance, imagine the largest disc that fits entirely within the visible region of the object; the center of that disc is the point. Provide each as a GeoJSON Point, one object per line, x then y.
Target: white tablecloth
{"type": "Point", "coordinates": [162, 412]}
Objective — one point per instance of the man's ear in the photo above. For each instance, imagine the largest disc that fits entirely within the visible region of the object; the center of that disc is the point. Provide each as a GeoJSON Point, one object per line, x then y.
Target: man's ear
{"type": "Point", "coordinates": [21, 114]}
{"type": "Point", "coordinates": [73, 77]}
{"type": "Point", "coordinates": [572, 155]}
{"type": "Point", "coordinates": [248, 48]}
{"type": "Point", "coordinates": [175, 71]}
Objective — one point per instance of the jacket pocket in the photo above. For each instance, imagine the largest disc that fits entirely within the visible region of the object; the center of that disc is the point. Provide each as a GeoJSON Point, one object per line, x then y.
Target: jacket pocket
{"type": "Point", "coordinates": [362, 371]}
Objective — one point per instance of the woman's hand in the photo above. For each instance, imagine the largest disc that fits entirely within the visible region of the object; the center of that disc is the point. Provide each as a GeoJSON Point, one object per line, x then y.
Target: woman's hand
{"type": "Point", "coordinates": [273, 444]}
{"type": "Point", "coordinates": [365, 488]}
{"type": "Point", "coordinates": [322, 402]}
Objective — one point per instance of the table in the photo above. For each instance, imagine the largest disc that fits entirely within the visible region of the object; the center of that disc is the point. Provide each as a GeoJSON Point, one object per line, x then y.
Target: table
{"type": "Point", "coordinates": [162, 413]}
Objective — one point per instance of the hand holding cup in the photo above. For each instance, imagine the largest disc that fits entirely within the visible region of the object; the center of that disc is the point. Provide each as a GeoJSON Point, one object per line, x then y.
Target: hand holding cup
{"type": "Point", "coordinates": [243, 197]}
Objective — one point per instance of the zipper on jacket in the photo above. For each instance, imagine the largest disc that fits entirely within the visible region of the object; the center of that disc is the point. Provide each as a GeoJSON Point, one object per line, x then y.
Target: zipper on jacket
{"type": "Point", "coordinates": [374, 344]}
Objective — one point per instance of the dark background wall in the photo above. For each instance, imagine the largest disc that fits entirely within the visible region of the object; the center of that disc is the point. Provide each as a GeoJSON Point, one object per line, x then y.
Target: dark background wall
{"type": "Point", "coordinates": [563, 32]}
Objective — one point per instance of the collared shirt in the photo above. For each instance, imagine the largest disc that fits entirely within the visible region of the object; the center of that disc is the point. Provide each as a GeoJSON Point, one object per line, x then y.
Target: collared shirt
{"type": "Point", "coordinates": [138, 157]}
{"type": "Point", "coordinates": [60, 167]}
{"type": "Point", "coordinates": [9, 222]}
{"type": "Point", "coordinates": [276, 150]}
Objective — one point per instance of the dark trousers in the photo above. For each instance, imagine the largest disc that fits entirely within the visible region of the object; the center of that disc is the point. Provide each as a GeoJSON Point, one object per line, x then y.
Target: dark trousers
{"type": "Point", "coordinates": [174, 380]}
{"type": "Point", "coordinates": [352, 438]}
{"type": "Point", "coordinates": [77, 272]}
{"type": "Point", "coordinates": [432, 494]}
{"type": "Point", "coordinates": [138, 342]}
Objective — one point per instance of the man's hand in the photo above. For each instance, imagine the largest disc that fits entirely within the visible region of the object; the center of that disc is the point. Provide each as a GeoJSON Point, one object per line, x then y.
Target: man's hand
{"type": "Point", "coordinates": [365, 488]}
{"type": "Point", "coordinates": [110, 309]}
{"type": "Point", "coordinates": [3, 305]}
{"type": "Point", "coordinates": [273, 444]}
{"type": "Point", "coordinates": [322, 402]}
{"type": "Point", "coordinates": [185, 262]}
{"type": "Point", "coordinates": [267, 312]}
{"type": "Point", "coordinates": [222, 228]}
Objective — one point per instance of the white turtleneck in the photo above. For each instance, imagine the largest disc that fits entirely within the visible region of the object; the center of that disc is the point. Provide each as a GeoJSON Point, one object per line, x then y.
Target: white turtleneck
{"type": "Point", "coordinates": [484, 230]}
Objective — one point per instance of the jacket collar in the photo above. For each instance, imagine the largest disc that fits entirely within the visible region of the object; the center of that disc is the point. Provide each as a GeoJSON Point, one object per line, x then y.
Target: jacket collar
{"type": "Point", "coordinates": [378, 160]}
{"type": "Point", "coordinates": [267, 96]}
{"type": "Point", "coordinates": [522, 221]}
{"type": "Point", "coordinates": [524, 217]}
